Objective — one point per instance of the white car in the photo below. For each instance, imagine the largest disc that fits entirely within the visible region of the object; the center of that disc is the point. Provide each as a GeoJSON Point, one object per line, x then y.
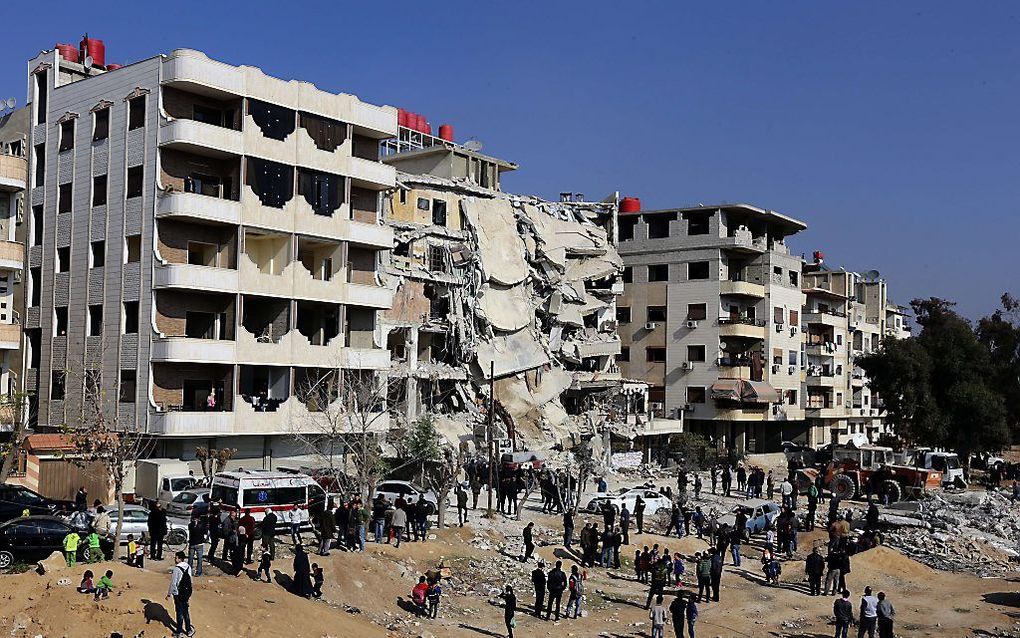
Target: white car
{"type": "Point", "coordinates": [392, 490]}
{"type": "Point", "coordinates": [654, 501]}
{"type": "Point", "coordinates": [184, 503]}
{"type": "Point", "coordinates": [760, 514]}
{"type": "Point", "coordinates": [136, 523]}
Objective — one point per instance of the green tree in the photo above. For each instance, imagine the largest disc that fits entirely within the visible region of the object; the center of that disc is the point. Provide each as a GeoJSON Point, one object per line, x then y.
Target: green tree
{"type": "Point", "coordinates": [421, 444]}
{"type": "Point", "coordinates": [1000, 334]}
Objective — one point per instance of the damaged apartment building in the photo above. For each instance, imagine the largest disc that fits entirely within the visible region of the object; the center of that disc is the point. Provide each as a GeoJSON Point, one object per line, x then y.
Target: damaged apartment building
{"type": "Point", "coordinates": [488, 284]}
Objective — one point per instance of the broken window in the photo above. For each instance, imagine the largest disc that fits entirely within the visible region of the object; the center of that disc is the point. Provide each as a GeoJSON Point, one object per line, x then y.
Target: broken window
{"type": "Point", "coordinates": [99, 190]}
{"type": "Point", "coordinates": [202, 184]}
{"type": "Point", "coordinates": [271, 181]}
{"type": "Point", "coordinates": [658, 225]}
{"type": "Point", "coordinates": [101, 125]}
{"type": "Point", "coordinates": [135, 176]}
{"type": "Point", "coordinates": [696, 394]}
{"type": "Point", "coordinates": [136, 112]}
{"type": "Point", "coordinates": [624, 354]}
{"type": "Point", "coordinates": [40, 164]}
{"type": "Point", "coordinates": [696, 353]}
{"type": "Point", "coordinates": [423, 203]}
{"type": "Point", "coordinates": [656, 313]}
{"type": "Point", "coordinates": [698, 270]}
{"type": "Point", "coordinates": [130, 317]}
{"type": "Point", "coordinates": [438, 212]}
{"type": "Point", "coordinates": [627, 225]}
{"type": "Point", "coordinates": [628, 275]}
{"type": "Point", "coordinates": [66, 135]}
{"type": "Point", "coordinates": [60, 321]}
{"type": "Point", "coordinates": [35, 280]}
{"type": "Point", "coordinates": [777, 356]}
{"type": "Point", "coordinates": [658, 272]}
{"type": "Point", "coordinates": [128, 385]}
{"type": "Point", "coordinates": [623, 314]}
{"type": "Point", "coordinates": [697, 311]}
{"type": "Point", "coordinates": [133, 249]}
{"type": "Point", "coordinates": [41, 89]}
{"type": "Point", "coordinates": [275, 122]}
{"type": "Point", "coordinates": [64, 259]}
{"type": "Point", "coordinates": [791, 397]}
{"type": "Point", "coordinates": [37, 225]}
{"type": "Point", "coordinates": [655, 355]}
{"type": "Point", "coordinates": [402, 248]}
{"type": "Point", "coordinates": [64, 198]}
{"type": "Point", "coordinates": [322, 191]}
{"type": "Point", "coordinates": [327, 134]}
{"type": "Point", "coordinates": [97, 254]}
{"type": "Point", "coordinates": [698, 223]}
{"type": "Point", "coordinates": [95, 320]}
{"type": "Point", "coordinates": [794, 278]}
{"type": "Point", "coordinates": [57, 385]}
{"type": "Point", "coordinates": [438, 258]}
{"type": "Point", "coordinates": [365, 147]}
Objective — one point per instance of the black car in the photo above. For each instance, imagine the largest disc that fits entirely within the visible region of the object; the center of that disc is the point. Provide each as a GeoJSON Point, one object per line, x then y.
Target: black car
{"type": "Point", "coordinates": [34, 538]}
{"type": "Point", "coordinates": [15, 499]}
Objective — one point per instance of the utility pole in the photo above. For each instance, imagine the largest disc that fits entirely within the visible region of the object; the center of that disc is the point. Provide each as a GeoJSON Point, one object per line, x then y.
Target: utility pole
{"type": "Point", "coordinates": [490, 430]}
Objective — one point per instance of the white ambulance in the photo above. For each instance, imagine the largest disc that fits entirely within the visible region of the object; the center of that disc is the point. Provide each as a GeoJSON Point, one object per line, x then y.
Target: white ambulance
{"type": "Point", "coordinates": [258, 492]}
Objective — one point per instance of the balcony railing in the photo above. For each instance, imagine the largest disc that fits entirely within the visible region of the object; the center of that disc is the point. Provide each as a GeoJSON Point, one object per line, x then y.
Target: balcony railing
{"type": "Point", "coordinates": [741, 321]}
{"type": "Point", "coordinates": [733, 362]}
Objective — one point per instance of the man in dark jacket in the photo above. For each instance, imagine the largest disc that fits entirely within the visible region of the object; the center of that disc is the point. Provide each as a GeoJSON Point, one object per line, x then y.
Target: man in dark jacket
{"type": "Point", "coordinates": [248, 523]}
{"type": "Point", "coordinates": [157, 531]}
{"type": "Point", "coordinates": [268, 527]}
{"type": "Point", "coordinates": [639, 514]}
{"type": "Point", "coordinates": [717, 567]}
{"type": "Point", "coordinates": [557, 583]}
{"type": "Point", "coordinates": [538, 582]}
{"type": "Point", "coordinates": [676, 614]}
{"type": "Point", "coordinates": [814, 566]}
{"type": "Point", "coordinates": [227, 529]}
{"type": "Point", "coordinates": [462, 505]}
{"type": "Point", "coordinates": [843, 610]}
{"type": "Point", "coordinates": [529, 542]}
{"type": "Point", "coordinates": [568, 528]}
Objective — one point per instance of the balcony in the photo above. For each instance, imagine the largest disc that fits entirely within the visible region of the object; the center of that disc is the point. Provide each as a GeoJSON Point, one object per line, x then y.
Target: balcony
{"type": "Point", "coordinates": [187, 349]}
{"type": "Point", "coordinates": [742, 289]}
{"type": "Point", "coordinates": [10, 336]}
{"type": "Point", "coordinates": [13, 173]}
{"type": "Point", "coordinates": [194, 71]}
{"type": "Point", "coordinates": [198, 207]}
{"type": "Point", "coordinates": [743, 414]}
{"type": "Point", "coordinates": [813, 412]}
{"type": "Point", "coordinates": [821, 348]}
{"type": "Point", "coordinates": [12, 255]}
{"type": "Point", "coordinates": [191, 277]}
{"type": "Point", "coordinates": [191, 423]}
{"type": "Point", "coordinates": [741, 327]}
{"type": "Point", "coordinates": [293, 348]}
{"type": "Point", "coordinates": [371, 174]}
{"type": "Point", "coordinates": [200, 138]}
{"type": "Point", "coordinates": [831, 318]}
{"type": "Point", "coordinates": [820, 379]}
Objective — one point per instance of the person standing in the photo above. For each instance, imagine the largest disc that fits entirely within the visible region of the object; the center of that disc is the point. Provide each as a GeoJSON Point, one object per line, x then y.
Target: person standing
{"type": "Point", "coordinates": [812, 507]}
{"type": "Point", "coordinates": [302, 573]}
{"type": "Point", "coordinates": [714, 474]}
{"type": "Point", "coordinates": [677, 608]}
{"type": "Point", "coordinates": [770, 485]}
{"type": "Point", "coordinates": [156, 524]}
{"type": "Point", "coordinates": [398, 523]}
{"type": "Point", "coordinates": [557, 583]}
{"type": "Point", "coordinates": [237, 542]}
{"type": "Point", "coordinates": [213, 524]}
{"type": "Point", "coordinates": [660, 574]}
{"type": "Point", "coordinates": [509, 607]}
{"type": "Point", "coordinates": [843, 612]}
{"type": "Point", "coordinates": [327, 530]}
{"type": "Point", "coordinates": [196, 543]}
{"type": "Point", "coordinates": [786, 491]}
{"type": "Point", "coordinates": [529, 541]}
{"type": "Point", "coordinates": [704, 568]}
{"type": "Point", "coordinates": [568, 527]}
{"type": "Point", "coordinates": [868, 620]}
{"type": "Point", "coordinates": [462, 505]}
{"type": "Point", "coordinates": [81, 498]}
{"type": "Point", "coordinates": [476, 489]}
{"type": "Point", "coordinates": [716, 574]}
{"type": "Point", "coordinates": [180, 591]}
{"type": "Point", "coordinates": [293, 518]}
{"type": "Point", "coordinates": [814, 567]}
{"type": "Point", "coordinates": [886, 614]}
{"type": "Point", "coordinates": [736, 538]}
{"type": "Point", "coordinates": [538, 582]}
{"type": "Point", "coordinates": [268, 527]}
{"type": "Point", "coordinates": [833, 562]}
{"type": "Point", "coordinates": [639, 514]}
{"type": "Point", "coordinates": [692, 614]}
{"type": "Point", "coordinates": [71, 547]}
{"type": "Point", "coordinates": [575, 585]}
{"type": "Point", "coordinates": [625, 524]}
{"type": "Point", "coordinates": [658, 617]}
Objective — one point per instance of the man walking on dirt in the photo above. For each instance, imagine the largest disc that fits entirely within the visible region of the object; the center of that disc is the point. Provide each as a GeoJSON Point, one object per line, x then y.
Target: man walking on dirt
{"type": "Point", "coordinates": [814, 566]}
{"type": "Point", "coordinates": [886, 614]}
{"type": "Point", "coordinates": [538, 582]}
{"type": "Point", "coordinates": [625, 524]}
{"type": "Point", "coordinates": [869, 614]}
{"type": "Point", "coordinates": [639, 514]}
{"type": "Point", "coordinates": [180, 590]}
{"type": "Point", "coordinates": [557, 583]}
{"type": "Point", "coordinates": [843, 611]}
{"type": "Point", "coordinates": [462, 508]}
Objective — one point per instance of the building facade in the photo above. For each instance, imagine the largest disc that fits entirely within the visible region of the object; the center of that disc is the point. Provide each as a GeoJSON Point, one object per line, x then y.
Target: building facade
{"type": "Point", "coordinates": [204, 242]}
{"type": "Point", "coordinates": [14, 128]}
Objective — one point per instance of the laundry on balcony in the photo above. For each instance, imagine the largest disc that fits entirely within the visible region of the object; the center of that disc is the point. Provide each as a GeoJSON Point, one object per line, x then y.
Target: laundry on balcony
{"type": "Point", "coordinates": [744, 391]}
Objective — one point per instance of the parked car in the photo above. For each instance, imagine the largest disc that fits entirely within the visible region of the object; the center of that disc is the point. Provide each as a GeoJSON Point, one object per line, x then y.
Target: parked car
{"type": "Point", "coordinates": [760, 514]}
{"type": "Point", "coordinates": [33, 538]}
{"type": "Point", "coordinates": [136, 522]}
{"type": "Point", "coordinates": [183, 505]}
{"type": "Point", "coordinates": [654, 501]}
{"type": "Point", "coordinates": [15, 499]}
{"type": "Point", "coordinates": [392, 490]}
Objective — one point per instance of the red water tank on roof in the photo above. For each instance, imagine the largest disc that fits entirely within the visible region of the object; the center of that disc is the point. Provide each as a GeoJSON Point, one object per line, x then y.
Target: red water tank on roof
{"type": "Point", "coordinates": [68, 51]}
{"type": "Point", "coordinates": [446, 132]}
{"type": "Point", "coordinates": [95, 48]}
{"type": "Point", "coordinates": [428, 129]}
{"type": "Point", "coordinates": [114, 67]}
{"type": "Point", "coordinates": [419, 122]}
{"type": "Point", "coordinates": [630, 205]}
{"type": "Point", "coordinates": [401, 117]}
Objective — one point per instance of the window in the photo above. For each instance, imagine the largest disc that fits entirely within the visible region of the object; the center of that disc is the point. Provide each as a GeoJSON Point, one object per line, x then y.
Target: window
{"type": "Point", "coordinates": [96, 320]}
{"type": "Point", "coordinates": [624, 354]}
{"type": "Point", "coordinates": [656, 313]}
{"type": "Point", "coordinates": [658, 272]}
{"type": "Point", "coordinates": [778, 314]}
{"type": "Point", "coordinates": [99, 190]}
{"type": "Point", "coordinates": [41, 90]}
{"type": "Point", "coordinates": [839, 340]}
{"type": "Point", "coordinates": [623, 314]}
{"type": "Point", "coordinates": [438, 212]}
{"type": "Point", "coordinates": [794, 318]}
{"type": "Point", "coordinates": [423, 203]}
{"type": "Point", "coordinates": [136, 112]}
{"type": "Point", "coordinates": [35, 281]}
{"type": "Point", "coordinates": [128, 385]}
{"type": "Point", "coordinates": [697, 270]}
{"type": "Point", "coordinates": [403, 195]}
{"type": "Point", "coordinates": [698, 223]}
{"type": "Point", "coordinates": [658, 226]}
{"type": "Point", "coordinates": [66, 135]}
{"type": "Point", "coordinates": [791, 397]}
{"type": "Point", "coordinates": [696, 394]}
{"type": "Point", "coordinates": [627, 225]}
{"type": "Point", "coordinates": [777, 356]}
{"type": "Point", "coordinates": [208, 115]}
{"type": "Point", "coordinates": [202, 184]}
{"type": "Point", "coordinates": [60, 321]}
{"type": "Point", "coordinates": [777, 271]}
{"type": "Point", "coordinates": [64, 259]}
{"type": "Point", "coordinates": [696, 353]}
{"type": "Point", "coordinates": [57, 385]}
{"type": "Point", "coordinates": [40, 164]}
{"type": "Point", "coordinates": [839, 398]}
{"type": "Point", "coordinates": [134, 181]}
{"type": "Point", "coordinates": [794, 278]}
{"type": "Point", "coordinates": [655, 355]}
{"type": "Point", "coordinates": [64, 198]}
{"type": "Point", "coordinates": [697, 311]}
{"type": "Point", "coordinates": [628, 275]}
{"type": "Point", "coordinates": [793, 357]}
{"type": "Point", "coordinates": [37, 225]}
{"type": "Point", "coordinates": [133, 249]}
{"type": "Point", "coordinates": [101, 127]}
{"type": "Point", "coordinates": [130, 317]}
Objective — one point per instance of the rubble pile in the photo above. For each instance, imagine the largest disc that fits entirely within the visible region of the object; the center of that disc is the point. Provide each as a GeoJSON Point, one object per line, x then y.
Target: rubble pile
{"type": "Point", "coordinates": [974, 532]}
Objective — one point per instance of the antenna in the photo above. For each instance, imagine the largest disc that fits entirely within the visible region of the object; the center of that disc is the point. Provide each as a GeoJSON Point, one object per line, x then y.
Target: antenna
{"type": "Point", "coordinates": [473, 145]}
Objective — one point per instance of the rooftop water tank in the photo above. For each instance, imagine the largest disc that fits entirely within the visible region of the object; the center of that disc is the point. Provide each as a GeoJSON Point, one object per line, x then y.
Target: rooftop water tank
{"type": "Point", "coordinates": [446, 132]}
{"type": "Point", "coordinates": [68, 51]}
{"type": "Point", "coordinates": [95, 48]}
{"type": "Point", "coordinates": [630, 205]}
{"type": "Point", "coordinates": [114, 67]}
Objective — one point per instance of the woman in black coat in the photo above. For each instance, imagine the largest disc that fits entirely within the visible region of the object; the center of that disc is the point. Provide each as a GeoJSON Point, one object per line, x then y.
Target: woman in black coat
{"type": "Point", "coordinates": [509, 607]}
{"type": "Point", "coordinates": [302, 573]}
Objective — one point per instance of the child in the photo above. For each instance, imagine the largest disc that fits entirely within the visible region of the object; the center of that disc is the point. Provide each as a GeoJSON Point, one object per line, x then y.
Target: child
{"type": "Point", "coordinates": [105, 585]}
{"type": "Point", "coordinates": [87, 586]}
{"type": "Point", "coordinates": [435, 592]}
{"type": "Point", "coordinates": [131, 547]}
{"type": "Point", "coordinates": [95, 551]}
{"type": "Point", "coordinates": [317, 578]}
{"type": "Point", "coordinates": [637, 565]}
{"type": "Point", "coordinates": [264, 566]}
{"type": "Point", "coordinates": [678, 569]}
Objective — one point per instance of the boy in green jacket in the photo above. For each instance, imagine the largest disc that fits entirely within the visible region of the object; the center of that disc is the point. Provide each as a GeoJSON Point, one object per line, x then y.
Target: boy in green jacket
{"type": "Point", "coordinates": [71, 548]}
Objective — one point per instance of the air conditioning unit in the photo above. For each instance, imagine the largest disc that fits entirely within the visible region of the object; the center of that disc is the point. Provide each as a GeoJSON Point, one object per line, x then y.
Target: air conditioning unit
{"type": "Point", "coordinates": [793, 332]}
{"type": "Point", "coordinates": [792, 370]}
{"type": "Point", "coordinates": [651, 325]}
{"type": "Point", "coordinates": [655, 406]}
{"type": "Point", "coordinates": [775, 368]}
{"type": "Point", "coordinates": [687, 365]}
{"type": "Point", "coordinates": [692, 324]}
{"type": "Point", "coordinates": [779, 327]}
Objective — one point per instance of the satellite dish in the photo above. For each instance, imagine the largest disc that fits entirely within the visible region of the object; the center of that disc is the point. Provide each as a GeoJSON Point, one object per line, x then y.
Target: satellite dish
{"type": "Point", "coordinates": [11, 103]}
{"type": "Point", "coordinates": [872, 275]}
{"type": "Point", "coordinates": [88, 62]}
{"type": "Point", "coordinates": [473, 145]}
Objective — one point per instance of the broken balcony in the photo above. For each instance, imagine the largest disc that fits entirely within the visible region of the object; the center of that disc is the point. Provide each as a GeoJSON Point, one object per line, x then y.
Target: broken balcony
{"type": "Point", "coordinates": [200, 124]}
{"type": "Point", "coordinates": [264, 388]}
{"type": "Point", "coordinates": [195, 256]}
{"type": "Point", "coordinates": [211, 178]}
{"type": "Point", "coordinates": [194, 326]}
{"type": "Point", "coordinates": [266, 319]}
{"type": "Point", "coordinates": [186, 387]}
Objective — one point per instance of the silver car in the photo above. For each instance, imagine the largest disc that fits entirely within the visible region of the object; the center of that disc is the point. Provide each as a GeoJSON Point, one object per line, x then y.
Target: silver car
{"type": "Point", "coordinates": [184, 503]}
{"type": "Point", "coordinates": [136, 523]}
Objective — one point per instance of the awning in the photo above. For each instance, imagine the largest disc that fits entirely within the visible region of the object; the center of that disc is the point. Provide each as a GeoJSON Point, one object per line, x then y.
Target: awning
{"type": "Point", "coordinates": [726, 389]}
{"type": "Point", "coordinates": [759, 392]}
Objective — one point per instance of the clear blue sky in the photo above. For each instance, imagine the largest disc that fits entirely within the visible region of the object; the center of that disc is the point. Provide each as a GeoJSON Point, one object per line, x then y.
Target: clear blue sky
{"type": "Point", "coordinates": [890, 128]}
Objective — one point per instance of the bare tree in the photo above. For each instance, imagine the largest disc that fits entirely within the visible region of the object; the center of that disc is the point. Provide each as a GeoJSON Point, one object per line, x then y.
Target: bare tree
{"type": "Point", "coordinates": [213, 460]}
{"type": "Point", "coordinates": [100, 439]}
{"type": "Point", "coordinates": [348, 421]}
{"type": "Point", "coordinates": [13, 411]}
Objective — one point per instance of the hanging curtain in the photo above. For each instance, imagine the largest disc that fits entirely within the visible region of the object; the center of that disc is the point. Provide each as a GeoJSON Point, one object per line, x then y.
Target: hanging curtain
{"type": "Point", "coordinates": [327, 134]}
{"type": "Point", "coordinates": [322, 191]}
{"type": "Point", "coordinates": [276, 122]}
{"type": "Point", "coordinates": [271, 181]}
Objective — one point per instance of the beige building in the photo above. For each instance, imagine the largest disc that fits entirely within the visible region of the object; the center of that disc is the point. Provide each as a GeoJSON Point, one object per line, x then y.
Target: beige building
{"type": "Point", "coordinates": [205, 241]}
{"type": "Point", "coordinates": [14, 128]}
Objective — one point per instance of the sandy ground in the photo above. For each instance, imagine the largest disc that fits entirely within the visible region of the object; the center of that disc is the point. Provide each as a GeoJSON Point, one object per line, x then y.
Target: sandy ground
{"type": "Point", "coordinates": [366, 595]}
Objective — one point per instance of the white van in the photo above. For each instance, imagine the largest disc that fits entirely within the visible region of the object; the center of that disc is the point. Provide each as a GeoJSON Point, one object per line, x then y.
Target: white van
{"type": "Point", "coordinates": [257, 492]}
